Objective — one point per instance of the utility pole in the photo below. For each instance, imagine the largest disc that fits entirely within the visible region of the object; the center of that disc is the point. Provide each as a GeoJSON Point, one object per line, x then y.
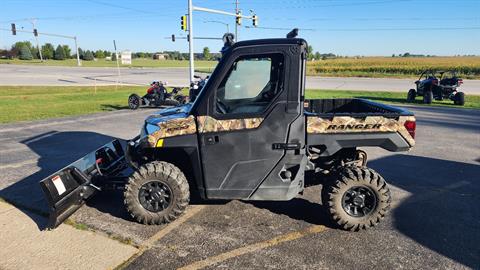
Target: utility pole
{"type": "Point", "coordinates": [236, 25]}
{"type": "Point", "coordinates": [76, 49]}
{"type": "Point", "coordinates": [33, 21]}
{"type": "Point", "coordinates": [190, 39]}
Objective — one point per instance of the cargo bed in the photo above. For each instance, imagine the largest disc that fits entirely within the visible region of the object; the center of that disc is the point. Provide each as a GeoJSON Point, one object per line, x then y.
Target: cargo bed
{"type": "Point", "coordinates": [356, 123]}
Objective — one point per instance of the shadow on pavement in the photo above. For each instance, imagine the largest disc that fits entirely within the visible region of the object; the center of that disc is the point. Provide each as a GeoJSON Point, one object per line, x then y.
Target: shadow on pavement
{"type": "Point", "coordinates": [299, 209]}
{"type": "Point", "coordinates": [55, 150]}
{"type": "Point", "coordinates": [442, 212]}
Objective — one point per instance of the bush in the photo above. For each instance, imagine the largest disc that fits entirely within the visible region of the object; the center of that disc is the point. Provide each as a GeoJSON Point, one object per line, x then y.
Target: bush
{"type": "Point", "coordinates": [99, 54]}
{"type": "Point", "coordinates": [59, 53]}
{"type": "Point", "coordinates": [68, 51]}
{"type": "Point", "coordinates": [25, 53]}
{"type": "Point", "coordinates": [88, 56]}
{"type": "Point", "coordinates": [48, 51]}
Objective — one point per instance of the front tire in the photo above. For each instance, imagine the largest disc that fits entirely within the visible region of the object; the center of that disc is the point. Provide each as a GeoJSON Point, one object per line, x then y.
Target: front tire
{"type": "Point", "coordinates": [411, 95]}
{"type": "Point", "coordinates": [459, 99]}
{"type": "Point", "coordinates": [134, 101]}
{"type": "Point", "coordinates": [358, 199]}
{"type": "Point", "coordinates": [156, 193]}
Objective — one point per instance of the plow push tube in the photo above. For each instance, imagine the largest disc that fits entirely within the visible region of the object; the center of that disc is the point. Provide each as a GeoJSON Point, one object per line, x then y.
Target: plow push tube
{"type": "Point", "coordinates": [67, 189]}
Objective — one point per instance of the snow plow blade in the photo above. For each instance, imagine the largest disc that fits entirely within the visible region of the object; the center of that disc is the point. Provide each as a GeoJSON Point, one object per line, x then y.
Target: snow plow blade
{"type": "Point", "coordinates": [68, 189]}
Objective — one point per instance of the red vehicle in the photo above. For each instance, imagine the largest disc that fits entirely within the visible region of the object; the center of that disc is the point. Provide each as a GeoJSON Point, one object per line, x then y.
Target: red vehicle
{"type": "Point", "coordinates": [157, 95]}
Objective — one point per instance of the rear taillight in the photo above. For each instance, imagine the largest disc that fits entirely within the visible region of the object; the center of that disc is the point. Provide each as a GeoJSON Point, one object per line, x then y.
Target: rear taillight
{"type": "Point", "coordinates": [411, 126]}
{"type": "Point", "coordinates": [435, 81]}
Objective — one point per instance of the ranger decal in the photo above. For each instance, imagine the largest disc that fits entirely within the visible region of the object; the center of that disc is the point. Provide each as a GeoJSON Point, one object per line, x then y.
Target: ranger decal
{"type": "Point", "coordinates": [347, 124]}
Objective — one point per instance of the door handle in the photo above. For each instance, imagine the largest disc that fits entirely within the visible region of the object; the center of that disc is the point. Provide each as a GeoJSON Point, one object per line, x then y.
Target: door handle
{"type": "Point", "coordinates": [212, 139]}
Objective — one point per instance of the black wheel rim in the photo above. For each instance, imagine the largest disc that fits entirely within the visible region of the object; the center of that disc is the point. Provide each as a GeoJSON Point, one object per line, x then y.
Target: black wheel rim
{"type": "Point", "coordinates": [359, 201]}
{"type": "Point", "coordinates": [133, 102]}
{"type": "Point", "coordinates": [155, 196]}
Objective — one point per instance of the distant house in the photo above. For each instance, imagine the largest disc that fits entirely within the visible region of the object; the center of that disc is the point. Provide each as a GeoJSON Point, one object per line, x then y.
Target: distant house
{"type": "Point", "coordinates": [160, 56]}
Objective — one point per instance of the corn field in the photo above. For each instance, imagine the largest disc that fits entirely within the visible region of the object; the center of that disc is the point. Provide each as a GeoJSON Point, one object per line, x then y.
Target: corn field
{"type": "Point", "coordinates": [467, 67]}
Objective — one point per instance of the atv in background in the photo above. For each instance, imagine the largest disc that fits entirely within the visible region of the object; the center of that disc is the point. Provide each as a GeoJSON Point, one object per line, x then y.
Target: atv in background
{"type": "Point", "coordinates": [438, 85]}
{"type": "Point", "coordinates": [157, 95]}
{"type": "Point", "coordinates": [196, 87]}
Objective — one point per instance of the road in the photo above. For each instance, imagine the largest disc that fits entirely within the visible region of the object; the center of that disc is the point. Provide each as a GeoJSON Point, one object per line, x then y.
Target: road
{"type": "Point", "coordinates": [37, 75]}
{"type": "Point", "coordinates": [433, 224]}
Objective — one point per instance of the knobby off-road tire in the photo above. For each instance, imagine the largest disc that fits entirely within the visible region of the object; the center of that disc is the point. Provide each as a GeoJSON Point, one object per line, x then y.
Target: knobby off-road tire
{"type": "Point", "coordinates": [427, 97]}
{"type": "Point", "coordinates": [411, 95]}
{"type": "Point", "coordinates": [459, 99]}
{"type": "Point", "coordinates": [152, 180]}
{"type": "Point", "coordinates": [337, 197]}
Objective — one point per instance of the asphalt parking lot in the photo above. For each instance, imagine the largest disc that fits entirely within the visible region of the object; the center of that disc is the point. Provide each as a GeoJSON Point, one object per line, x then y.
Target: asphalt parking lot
{"type": "Point", "coordinates": [433, 224]}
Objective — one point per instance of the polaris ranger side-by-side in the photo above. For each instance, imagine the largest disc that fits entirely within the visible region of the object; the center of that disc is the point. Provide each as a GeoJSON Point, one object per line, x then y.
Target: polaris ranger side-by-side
{"type": "Point", "coordinates": [251, 135]}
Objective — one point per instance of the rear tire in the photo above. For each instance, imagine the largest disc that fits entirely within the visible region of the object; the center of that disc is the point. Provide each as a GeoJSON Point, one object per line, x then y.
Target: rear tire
{"type": "Point", "coordinates": [358, 199]}
{"type": "Point", "coordinates": [411, 95]}
{"type": "Point", "coordinates": [156, 193]}
{"type": "Point", "coordinates": [459, 99]}
{"type": "Point", "coordinates": [427, 97]}
{"type": "Point", "coordinates": [134, 101]}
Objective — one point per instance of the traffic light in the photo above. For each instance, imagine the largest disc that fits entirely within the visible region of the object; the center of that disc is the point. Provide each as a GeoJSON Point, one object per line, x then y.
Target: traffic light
{"type": "Point", "coordinates": [35, 32]}
{"type": "Point", "coordinates": [173, 38]}
{"type": "Point", "coordinates": [14, 29]}
{"type": "Point", "coordinates": [183, 23]}
{"type": "Point", "coordinates": [255, 20]}
{"type": "Point", "coordinates": [239, 18]}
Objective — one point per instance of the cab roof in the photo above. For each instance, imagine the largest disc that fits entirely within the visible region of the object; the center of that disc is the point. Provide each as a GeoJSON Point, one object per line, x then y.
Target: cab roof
{"type": "Point", "coordinates": [270, 41]}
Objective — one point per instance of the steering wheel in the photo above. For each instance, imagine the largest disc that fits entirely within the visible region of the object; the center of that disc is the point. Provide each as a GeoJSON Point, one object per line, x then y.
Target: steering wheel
{"type": "Point", "coordinates": [221, 106]}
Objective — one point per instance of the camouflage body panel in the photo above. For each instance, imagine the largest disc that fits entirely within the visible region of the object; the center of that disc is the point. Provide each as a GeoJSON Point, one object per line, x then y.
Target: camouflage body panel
{"type": "Point", "coordinates": [173, 127]}
{"type": "Point", "coordinates": [209, 124]}
{"type": "Point", "coordinates": [347, 124]}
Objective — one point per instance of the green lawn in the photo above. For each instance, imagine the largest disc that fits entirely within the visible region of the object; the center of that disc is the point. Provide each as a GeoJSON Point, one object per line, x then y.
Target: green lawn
{"type": "Point", "coordinates": [23, 103]}
{"type": "Point", "coordinates": [138, 62]}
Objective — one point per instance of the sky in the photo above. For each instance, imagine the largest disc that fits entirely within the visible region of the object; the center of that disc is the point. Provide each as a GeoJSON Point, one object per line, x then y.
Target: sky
{"type": "Point", "coordinates": [343, 27]}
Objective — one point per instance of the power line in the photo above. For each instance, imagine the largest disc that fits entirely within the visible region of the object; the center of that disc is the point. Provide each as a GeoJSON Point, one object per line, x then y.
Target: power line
{"type": "Point", "coordinates": [371, 29]}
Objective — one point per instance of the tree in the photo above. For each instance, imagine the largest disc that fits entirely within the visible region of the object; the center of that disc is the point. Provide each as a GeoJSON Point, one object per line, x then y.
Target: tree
{"type": "Point", "coordinates": [206, 53]}
{"type": "Point", "coordinates": [114, 56]}
{"type": "Point", "coordinates": [107, 53]}
{"type": "Point", "coordinates": [15, 51]}
{"type": "Point", "coordinates": [47, 51]}
{"type": "Point", "coordinates": [68, 51]}
{"type": "Point", "coordinates": [99, 54]}
{"type": "Point", "coordinates": [81, 53]}
{"type": "Point", "coordinates": [59, 53]}
{"type": "Point", "coordinates": [88, 56]}
{"type": "Point", "coordinates": [309, 52]}
{"type": "Point", "coordinates": [25, 53]}
{"type": "Point", "coordinates": [35, 53]}
{"type": "Point", "coordinates": [318, 56]}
